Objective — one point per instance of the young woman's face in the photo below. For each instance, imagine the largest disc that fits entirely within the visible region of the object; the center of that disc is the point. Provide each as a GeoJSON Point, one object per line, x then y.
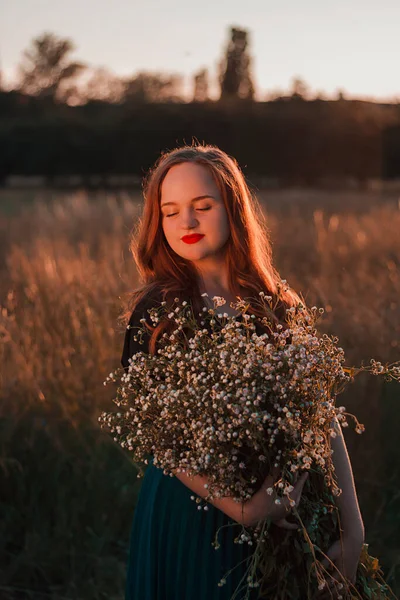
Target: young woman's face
{"type": "Point", "coordinates": [191, 203]}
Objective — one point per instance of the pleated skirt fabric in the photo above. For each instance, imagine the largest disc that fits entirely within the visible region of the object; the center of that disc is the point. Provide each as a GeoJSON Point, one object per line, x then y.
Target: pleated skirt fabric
{"type": "Point", "coordinates": [171, 556]}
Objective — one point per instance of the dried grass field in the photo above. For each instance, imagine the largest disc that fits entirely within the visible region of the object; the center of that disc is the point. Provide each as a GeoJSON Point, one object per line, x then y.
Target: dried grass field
{"type": "Point", "coordinates": [67, 492]}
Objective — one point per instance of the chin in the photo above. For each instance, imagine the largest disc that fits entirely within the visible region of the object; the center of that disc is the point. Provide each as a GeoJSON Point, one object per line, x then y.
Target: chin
{"type": "Point", "coordinates": [192, 253]}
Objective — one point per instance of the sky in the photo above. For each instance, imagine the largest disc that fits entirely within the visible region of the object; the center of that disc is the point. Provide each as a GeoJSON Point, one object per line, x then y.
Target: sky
{"type": "Point", "coordinates": [352, 45]}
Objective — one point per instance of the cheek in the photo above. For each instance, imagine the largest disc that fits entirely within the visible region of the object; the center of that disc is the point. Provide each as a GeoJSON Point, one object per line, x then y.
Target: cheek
{"type": "Point", "coordinates": [224, 225]}
{"type": "Point", "coordinates": [167, 233]}
{"type": "Point", "coordinates": [217, 225]}
{"type": "Point", "coordinates": [171, 233]}
{"type": "Point", "coordinates": [167, 226]}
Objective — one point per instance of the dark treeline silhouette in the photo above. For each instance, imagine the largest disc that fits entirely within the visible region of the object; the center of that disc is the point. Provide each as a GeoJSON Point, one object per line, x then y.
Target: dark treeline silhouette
{"type": "Point", "coordinates": [52, 126]}
{"type": "Point", "coordinates": [292, 141]}
{"type": "Point", "coordinates": [391, 153]}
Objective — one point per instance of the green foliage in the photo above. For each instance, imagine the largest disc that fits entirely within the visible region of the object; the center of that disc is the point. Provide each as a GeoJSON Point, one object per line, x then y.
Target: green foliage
{"type": "Point", "coordinates": [66, 504]}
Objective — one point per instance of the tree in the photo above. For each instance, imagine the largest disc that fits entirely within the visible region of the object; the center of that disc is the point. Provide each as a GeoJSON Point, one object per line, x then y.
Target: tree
{"type": "Point", "coordinates": [154, 87]}
{"type": "Point", "coordinates": [235, 68]}
{"type": "Point", "coordinates": [102, 85]}
{"type": "Point", "coordinates": [200, 81]}
{"type": "Point", "coordinates": [300, 88]}
{"type": "Point", "coordinates": [340, 94]}
{"type": "Point", "coordinates": [46, 66]}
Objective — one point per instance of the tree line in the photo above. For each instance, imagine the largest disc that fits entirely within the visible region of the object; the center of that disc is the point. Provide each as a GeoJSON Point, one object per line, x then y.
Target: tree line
{"type": "Point", "coordinates": [51, 126]}
{"type": "Point", "coordinates": [292, 142]}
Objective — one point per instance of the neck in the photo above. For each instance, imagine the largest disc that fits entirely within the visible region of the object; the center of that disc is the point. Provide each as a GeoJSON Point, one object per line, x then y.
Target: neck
{"type": "Point", "coordinates": [215, 283]}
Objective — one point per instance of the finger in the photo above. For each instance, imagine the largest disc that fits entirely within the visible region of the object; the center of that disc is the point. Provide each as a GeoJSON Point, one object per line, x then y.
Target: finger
{"type": "Point", "coordinates": [333, 585]}
{"type": "Point", "coordinates": [331, 590]}
{"type": "Point", "coordinates": [298, 488]}
{"type": "Point", "coordinates": [327, 564]}
{"type": "Point", "coordinates": [333, 557]}
{"type": "Point", "coordinates": [331, 567]}
{"type": "Point", "coordinates": [303, 478]}
{"type": "Point", "coordinates": [327, 593]}
{"type": "Point", "coordinates": [276, 472]}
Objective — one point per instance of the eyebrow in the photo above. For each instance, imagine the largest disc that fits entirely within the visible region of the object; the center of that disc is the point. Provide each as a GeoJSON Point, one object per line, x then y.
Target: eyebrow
{"type": "Point", "coordinates": [193, 199]}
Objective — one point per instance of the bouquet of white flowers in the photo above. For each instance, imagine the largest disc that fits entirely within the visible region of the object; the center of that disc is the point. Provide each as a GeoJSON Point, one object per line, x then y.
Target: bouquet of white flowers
{"type": "Point", "coordinates": [220, 400]}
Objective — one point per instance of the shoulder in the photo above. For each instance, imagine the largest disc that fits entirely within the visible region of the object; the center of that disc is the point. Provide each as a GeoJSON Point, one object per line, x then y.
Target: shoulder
{"type": "Point", "coordinates": [150, 300]}
{"type": "Point", "coordinates": [139, 312]}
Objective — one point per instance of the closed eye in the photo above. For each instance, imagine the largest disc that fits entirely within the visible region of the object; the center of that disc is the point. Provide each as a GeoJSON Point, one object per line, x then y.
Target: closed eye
{"type": "Point", "coordinates": [172, 214]}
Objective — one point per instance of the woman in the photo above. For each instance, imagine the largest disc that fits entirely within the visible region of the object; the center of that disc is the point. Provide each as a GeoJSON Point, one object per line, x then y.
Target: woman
{"type": "Point", "coordinates": [202, 234]}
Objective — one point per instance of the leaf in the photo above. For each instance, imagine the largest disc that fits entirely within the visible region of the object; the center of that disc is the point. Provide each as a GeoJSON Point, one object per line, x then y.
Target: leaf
{"type": "Point", "coordinates": [375, 564]}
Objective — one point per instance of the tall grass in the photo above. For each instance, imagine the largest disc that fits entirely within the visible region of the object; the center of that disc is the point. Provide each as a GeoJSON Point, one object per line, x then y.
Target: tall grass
{"type": "Point", "coordinates": [67, 492]}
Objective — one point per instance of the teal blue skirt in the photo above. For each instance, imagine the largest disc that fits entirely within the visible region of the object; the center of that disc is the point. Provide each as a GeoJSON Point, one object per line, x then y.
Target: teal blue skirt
{"type": "Point", "coordinates": [171, 556]}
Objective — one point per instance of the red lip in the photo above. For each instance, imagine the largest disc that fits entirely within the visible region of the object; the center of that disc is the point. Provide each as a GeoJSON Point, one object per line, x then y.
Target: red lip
{"type": "Point", "coordinates": [193, 238]}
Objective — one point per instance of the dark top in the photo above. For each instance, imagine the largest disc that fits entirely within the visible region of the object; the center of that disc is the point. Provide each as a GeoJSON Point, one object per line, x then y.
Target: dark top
{"type": "Point", "coordinates": [131, 346]}
{"type": "Point", "coordinates": [171, 555]}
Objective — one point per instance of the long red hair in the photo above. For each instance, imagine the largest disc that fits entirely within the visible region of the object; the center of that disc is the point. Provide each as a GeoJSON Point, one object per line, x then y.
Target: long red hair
{"type": "Point", "coordinates": [248, 249]}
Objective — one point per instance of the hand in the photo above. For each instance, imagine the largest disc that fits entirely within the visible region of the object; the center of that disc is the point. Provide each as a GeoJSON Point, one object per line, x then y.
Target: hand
{"type": "Point", "coordinates": [345, 556]}
{"type": "Point", "coordinates": [262, 505]}
{"type": "Point", "coordinates": [296, 496]}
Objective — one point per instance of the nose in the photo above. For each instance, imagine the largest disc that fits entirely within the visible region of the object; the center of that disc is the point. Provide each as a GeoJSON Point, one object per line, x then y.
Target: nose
{"type": "Point", "coordinates": [189, 219]}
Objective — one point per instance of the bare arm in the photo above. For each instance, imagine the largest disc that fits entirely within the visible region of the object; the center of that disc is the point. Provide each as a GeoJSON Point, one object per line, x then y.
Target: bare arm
{"type": "Point", "coordinates": [260, 506]}
{"type": "Point", "coordinates": [238, 511]}
{"type": "Point", "coordinates": [347, 502]}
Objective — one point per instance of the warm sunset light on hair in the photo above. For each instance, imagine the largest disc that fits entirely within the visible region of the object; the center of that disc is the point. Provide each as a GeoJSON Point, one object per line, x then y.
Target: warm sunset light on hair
{"type": "Point", "coordinates": [248, 251]}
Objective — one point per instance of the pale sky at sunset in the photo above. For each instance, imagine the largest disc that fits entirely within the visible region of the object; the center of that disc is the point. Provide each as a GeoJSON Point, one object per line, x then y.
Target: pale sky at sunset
{"type": "Point", "coordinates": [348, 44]}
